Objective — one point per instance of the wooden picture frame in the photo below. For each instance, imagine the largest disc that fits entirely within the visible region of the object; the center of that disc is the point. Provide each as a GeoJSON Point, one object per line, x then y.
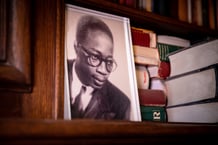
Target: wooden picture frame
{"type": "Point", "coordinates": [124, 76]}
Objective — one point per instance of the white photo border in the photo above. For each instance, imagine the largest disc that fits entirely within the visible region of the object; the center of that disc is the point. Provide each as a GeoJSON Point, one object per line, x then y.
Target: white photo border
{"type": "Point", "coordinates": [125, 78]}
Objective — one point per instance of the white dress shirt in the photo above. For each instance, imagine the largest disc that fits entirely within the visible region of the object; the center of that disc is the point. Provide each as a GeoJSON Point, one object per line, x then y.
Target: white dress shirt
{"type": "Point", "coordinates": [75, 89]}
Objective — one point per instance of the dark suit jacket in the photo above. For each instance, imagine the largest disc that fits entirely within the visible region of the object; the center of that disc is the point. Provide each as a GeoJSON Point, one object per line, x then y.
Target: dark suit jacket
{"type": "Point", "coordinates": [109, 102]}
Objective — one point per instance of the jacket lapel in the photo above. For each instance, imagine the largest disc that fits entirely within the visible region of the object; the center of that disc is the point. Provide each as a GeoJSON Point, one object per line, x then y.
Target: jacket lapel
{"type": "Point", "coordinates": [98, 106]}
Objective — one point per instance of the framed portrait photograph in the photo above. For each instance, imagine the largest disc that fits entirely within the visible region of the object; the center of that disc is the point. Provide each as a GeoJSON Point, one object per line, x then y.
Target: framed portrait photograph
{"type": "Point", "coordinates": [100, 80]}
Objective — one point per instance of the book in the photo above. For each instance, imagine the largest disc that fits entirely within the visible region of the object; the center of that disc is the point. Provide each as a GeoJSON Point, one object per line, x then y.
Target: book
{"type": "Point", "coordinates": [143, 37]}
{"type": "Point", "coordinates": [145, 5]}
{"type": "Point", "coordinates": [139, 37]}
{"type": "Point", "coordinates": [148, 97]}
{"type": "Point", "coordinates": [153, 113]}
{"type": "Point", "coordinates": [146, 55]}
{"type": "Point", "coordinates": [158, 84]}
{"type": "Point", "coordinates": [173, 40]}
{"type": "Point", "coordinates": [167, 44]}
{"type": "Point", "coordinates": [212, 13]}
{"type": "Point", "coordinates": [163, 7]}
{"type": "Point", "coordinates": [161, 71]}
{"type": "Point", "coordinates": [128, 3]}
{"type": "Point", "coordinates": [205, 13]}
{"type": "Point", "coordinates": [197, 18]}
{"type": "Point", "coordinates": [196, 86]}
{"type": "Point", "coordinates": [165, 49]}
{"type": "Point", "coordinates": [144, 46]}
{"type": "Point", "coordinates": [142, 77]}
{"type": "Point", "coordinates": [195, 113]}
{"type": "Point", "coordinates": [183, 10]}
{"type": "Point", "coordinates": [196, 56]}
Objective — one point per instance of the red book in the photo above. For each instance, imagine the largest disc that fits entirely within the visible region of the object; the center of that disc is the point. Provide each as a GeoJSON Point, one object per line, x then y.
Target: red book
{"type": "Point", "coordinates": [164, 69]}
{"type": "Point", "coordinates": [131, 3]}
{"type": "Point", "coordinates": [140, 38]}
{"type": "Point", "coordinates": [149, 97]}
{"type": "Point", "coordinates": [161, 71]}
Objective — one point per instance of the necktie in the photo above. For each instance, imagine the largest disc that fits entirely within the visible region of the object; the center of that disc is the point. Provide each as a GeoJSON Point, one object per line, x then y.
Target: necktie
{"type": "Point", "coordinates": [76, 107]}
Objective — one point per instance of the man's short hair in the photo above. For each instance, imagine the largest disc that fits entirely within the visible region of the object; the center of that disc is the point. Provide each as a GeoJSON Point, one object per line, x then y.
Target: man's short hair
{"type": "Point", "coordinates": [89, 23]}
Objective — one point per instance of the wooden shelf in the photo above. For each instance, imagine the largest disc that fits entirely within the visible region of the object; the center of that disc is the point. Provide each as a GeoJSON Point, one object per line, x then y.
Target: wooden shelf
{"type": "Point", "coordinates": [103, 132]}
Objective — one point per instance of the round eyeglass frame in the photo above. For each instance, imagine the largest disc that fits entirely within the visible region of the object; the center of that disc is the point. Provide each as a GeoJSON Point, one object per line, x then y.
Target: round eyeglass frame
{"type": "Point", "coordinates": [93, 57]}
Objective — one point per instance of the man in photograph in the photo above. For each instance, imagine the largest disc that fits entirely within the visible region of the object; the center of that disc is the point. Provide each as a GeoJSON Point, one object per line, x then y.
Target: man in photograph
{"type": "Point", "coordinates": [92, 95]}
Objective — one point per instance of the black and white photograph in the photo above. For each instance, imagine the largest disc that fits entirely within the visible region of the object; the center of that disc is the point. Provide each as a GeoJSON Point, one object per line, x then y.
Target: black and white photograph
{"type": "Point", "coordinates": [100, 80]}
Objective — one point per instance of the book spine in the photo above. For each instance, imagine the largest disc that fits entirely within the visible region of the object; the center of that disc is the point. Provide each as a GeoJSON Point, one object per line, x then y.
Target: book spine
{"type": "Point", "coordinates": [145, 60]}
{"type": "Point", "coordinates": [158, 84]}
{"type": "Point", "coordinates": [165, 50]}
{"type": "Point", "coordinates": [193, 87]}
{"type": "Point", "coordinates": [153, 113]}
{"type": "Point", "coordinates": [211, 13]}
{"type": "Point", "coordinates": [183, 10]}
{"type": "Point", "coordinates": [142, 77]}
{"type": "Point", "coordinates": [205, 13]}
{"type": "Point", "coordinates": [149, 97]}
{"type": "Point", "coordinates": [197, 12]}
{"type": "Point", "coordinates": [140, 38]}
{"type": "Point", "coordinates": [164, 69]}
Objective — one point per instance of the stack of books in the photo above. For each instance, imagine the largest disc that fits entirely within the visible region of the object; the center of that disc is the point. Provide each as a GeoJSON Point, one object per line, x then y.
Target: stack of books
{"type": "Point", "coordinates": [152, 99]}
{"type": "Point", "coordinates": [145, 54]}
{"type": "Point", "coordinates": [152, 105]}
{"type": "Point", "coordinates": [192, 85]}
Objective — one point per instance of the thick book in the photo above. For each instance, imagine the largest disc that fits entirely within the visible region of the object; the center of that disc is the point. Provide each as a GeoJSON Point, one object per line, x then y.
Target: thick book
{"type": "Point", "coordinates": [195, 113]}
{"type": "Point", "coordinates": [153, 113]}
{"type": "Point", "coordinates": [148, 97]}
{"type": "Point", "coordinates": [142, 77]}
{"type": "Point", "coordinates": [194, 57]}
{"type": "Point", "coordinates": [193, 87]}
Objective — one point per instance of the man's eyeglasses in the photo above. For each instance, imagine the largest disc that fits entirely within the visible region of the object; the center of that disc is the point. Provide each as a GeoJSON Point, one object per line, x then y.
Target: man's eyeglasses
{"type": "Point", "coordinates": [95, 60]}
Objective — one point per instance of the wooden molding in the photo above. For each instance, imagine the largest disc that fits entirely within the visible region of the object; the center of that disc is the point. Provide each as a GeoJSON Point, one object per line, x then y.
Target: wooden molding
{"type": "Point", "coordinates": [96, 132]}
{"type": "Point", "coordinates": [3, 30]}
{"type": "Point", "coordinates": [15, 67]}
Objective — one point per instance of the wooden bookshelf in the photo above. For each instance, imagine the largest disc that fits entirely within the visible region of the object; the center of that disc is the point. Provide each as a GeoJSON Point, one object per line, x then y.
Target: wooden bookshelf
{"type": "Point", "coordinates": [36, 116]}
{"type": "Point", "coordinates": [148, 20]}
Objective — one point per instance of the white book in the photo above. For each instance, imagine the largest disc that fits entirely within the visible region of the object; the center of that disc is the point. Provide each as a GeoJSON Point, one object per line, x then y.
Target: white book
{"type": "Point", "coordinates": [196, 113]}
{"type": "Point", "coordinates": [158, 84]}
{"type": "Point", "coordinates": [194, 57]}
{"type": "Point", "coordinates": [193, 87]}
{"type": "Point", "coordinates": [173, 40]}
{"type": "Point", "coordinates": [142, 77]}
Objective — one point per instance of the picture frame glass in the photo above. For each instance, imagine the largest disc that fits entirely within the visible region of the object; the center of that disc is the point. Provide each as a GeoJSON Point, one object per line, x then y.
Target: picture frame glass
{"type": "Point", "coordinates": [123, 77]}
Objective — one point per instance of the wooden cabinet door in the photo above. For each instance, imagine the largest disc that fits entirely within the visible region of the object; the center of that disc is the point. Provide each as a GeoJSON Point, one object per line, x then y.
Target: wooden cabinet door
{"type": "Point", "coordinates": [32, 58]}
{"type": "Point", "coordinates": [15, 39]}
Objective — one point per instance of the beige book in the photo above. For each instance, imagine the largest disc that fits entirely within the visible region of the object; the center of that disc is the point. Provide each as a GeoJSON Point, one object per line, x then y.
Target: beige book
{"type": "Point", "coordinates": [146, 55]}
